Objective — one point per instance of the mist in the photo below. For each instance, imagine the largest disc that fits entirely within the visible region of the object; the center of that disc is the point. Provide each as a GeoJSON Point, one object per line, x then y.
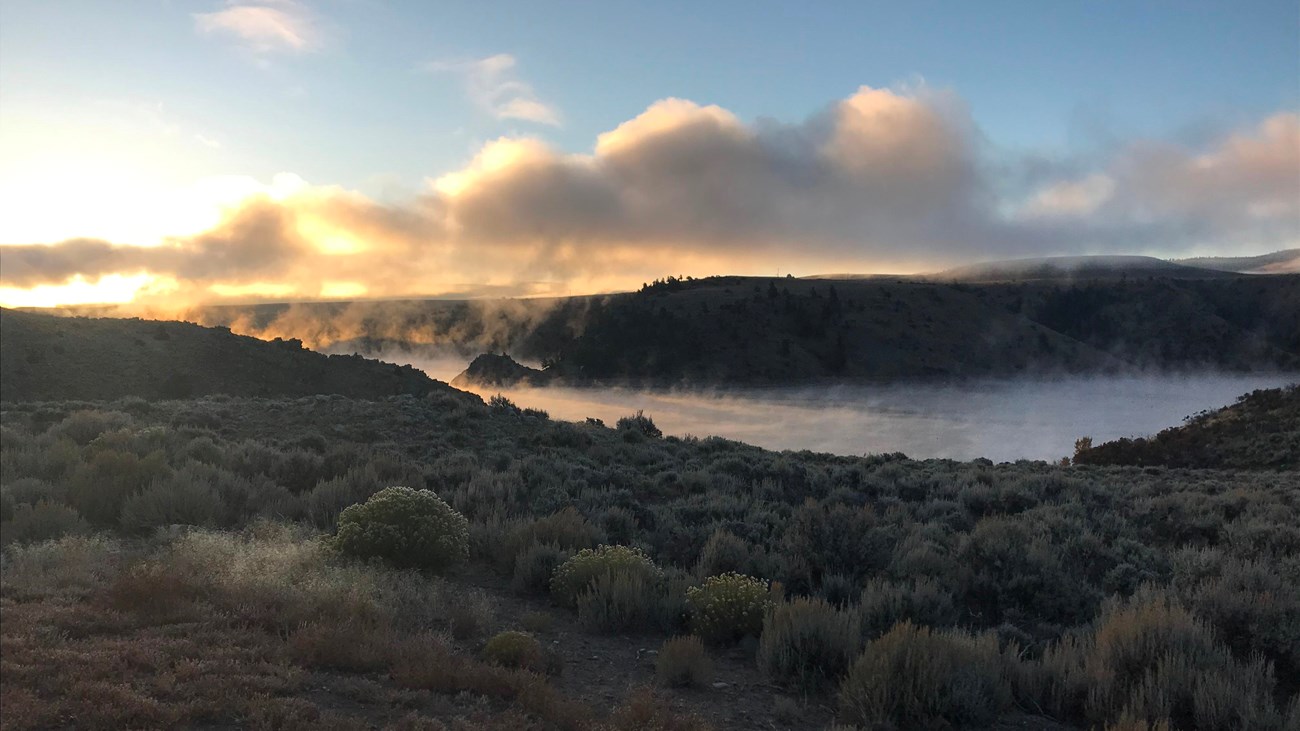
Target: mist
{"type": "Point", "coordinates": [1001, 419]}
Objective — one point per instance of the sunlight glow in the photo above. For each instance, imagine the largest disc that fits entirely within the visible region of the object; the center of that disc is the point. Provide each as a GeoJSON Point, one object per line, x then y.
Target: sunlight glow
{"type": "Point", "coordinates": [109, 289]}
{"type": "Point", "coordinates": [342, 290]}
{"type": "Point", "coordinates": [253, 289]}
{"type": "Point", "coordinates": [327, 238]}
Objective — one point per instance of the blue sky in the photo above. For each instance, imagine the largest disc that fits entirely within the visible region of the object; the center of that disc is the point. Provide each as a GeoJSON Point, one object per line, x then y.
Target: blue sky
{"type": "Point", "coordinates": [379, 98]}
{"type": "Point", "coordinates": [1055, 76]}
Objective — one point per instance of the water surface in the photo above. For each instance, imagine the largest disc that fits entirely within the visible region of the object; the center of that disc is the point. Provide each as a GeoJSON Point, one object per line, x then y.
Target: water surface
{"type": "Point", "coordinates": [1001, 419]}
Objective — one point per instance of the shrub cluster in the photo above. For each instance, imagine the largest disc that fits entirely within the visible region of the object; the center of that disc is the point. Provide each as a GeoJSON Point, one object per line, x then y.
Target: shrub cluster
{"type": "Point", "coordinates": [1026, 551]}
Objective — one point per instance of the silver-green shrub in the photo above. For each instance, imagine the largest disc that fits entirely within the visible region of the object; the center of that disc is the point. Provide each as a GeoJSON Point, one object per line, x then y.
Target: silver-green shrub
{"type": "Point", "coordinates": [808, 643]}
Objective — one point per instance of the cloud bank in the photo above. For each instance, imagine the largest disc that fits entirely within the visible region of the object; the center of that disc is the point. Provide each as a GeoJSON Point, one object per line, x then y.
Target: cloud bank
{"type": "Point", "coordinates": [883, 180]}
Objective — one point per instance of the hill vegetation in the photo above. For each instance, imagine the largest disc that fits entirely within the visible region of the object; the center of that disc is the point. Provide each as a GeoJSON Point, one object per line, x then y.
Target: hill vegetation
{"type": "Point", "coordinates": [724, 331]}
{"type": "Point", "coordinates": [1260, 431]}
{"type": "Point", "coordinates": [731, 330]}
{"type": "Point", "coordinates": [46, 357]}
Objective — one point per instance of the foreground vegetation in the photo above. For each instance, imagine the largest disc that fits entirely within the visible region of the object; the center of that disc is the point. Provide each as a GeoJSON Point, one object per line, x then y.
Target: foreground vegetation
{"type": "Point", "coordinates": [879, 592]}
{"type": "Point", "coordinates": [1260, 431]}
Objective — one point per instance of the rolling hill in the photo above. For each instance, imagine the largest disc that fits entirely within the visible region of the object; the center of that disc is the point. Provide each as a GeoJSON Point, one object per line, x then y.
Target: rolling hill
{"type": "Point", "coordinates": [1278, 262]}
{"type": "Point", "coordinates": [46, 357]}
{"type": "Point", "coordinates": [1074, 268]}
{"type": "Point", "coordinates": [1071, 315]}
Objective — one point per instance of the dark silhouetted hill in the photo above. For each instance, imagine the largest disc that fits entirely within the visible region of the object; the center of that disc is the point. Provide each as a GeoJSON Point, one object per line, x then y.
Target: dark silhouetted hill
{"type": "Point", "coordinates": [763, 330]}
{"type": "Point", "coordinates": [734, 330]}
{"type": "Point", "coordinates": [498, 370]}
{"type": "Point", "coordinates": [1260, 431]}
{"type": "Point", "coordinates": [47, 357]}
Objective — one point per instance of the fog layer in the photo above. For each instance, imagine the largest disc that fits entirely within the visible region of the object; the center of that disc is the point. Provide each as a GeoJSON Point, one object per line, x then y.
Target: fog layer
{"type": "Point", "coordinates": [1003, 420]}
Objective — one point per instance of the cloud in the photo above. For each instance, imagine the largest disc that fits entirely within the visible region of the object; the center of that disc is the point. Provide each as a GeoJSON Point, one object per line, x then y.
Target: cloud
{"type": "Point", "coordinates": [1070, 197]}
{"type": "Point", "coordinates": [492, 86]}
{"type": "Point", "coordinates": [271, 26]}
{"type": "Point", "coordinates": [1242, 191]}
{"type": "Point", "coordinates": [884, 180]}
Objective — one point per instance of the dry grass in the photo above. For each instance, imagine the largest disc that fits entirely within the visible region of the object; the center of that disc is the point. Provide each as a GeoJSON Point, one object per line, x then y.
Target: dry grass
{"type": "Point", "coordinates": [644, 710]}
{"type": "Point", "coordinates": [683, 661]}
{"type": "Point", "coordinates": [246, 630]}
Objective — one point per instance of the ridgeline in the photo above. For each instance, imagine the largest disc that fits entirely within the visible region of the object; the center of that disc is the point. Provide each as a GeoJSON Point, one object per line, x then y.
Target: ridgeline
{"type": "Point", "coordinates": [75, 358]}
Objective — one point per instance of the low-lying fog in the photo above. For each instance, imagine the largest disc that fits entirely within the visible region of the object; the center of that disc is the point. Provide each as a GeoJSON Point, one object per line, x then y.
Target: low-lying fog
{"type": "Point", "coordinates": [1003, 420]}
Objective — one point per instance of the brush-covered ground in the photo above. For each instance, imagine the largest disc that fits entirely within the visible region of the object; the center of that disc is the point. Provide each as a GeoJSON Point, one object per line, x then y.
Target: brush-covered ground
{"type": "Point", "coordinates": [175, 564]}
{"type": "Point", "coordinates": [48, 357]}
{"type": "Point", "coordinates": [1261, 430]}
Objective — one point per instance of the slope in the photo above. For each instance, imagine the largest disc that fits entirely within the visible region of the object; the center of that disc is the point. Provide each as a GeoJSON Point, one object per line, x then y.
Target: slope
{"type": "Point", "coordinates": [47, 357]}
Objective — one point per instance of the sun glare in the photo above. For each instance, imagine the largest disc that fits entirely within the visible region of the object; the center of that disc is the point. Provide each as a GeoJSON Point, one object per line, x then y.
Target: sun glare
{"type": "Point", "coordinates": [328, 239]}
{"type": "Point", "coordinates": [109, 289]}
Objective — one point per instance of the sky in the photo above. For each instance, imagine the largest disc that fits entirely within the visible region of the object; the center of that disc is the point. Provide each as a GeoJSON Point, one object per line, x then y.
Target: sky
{"type": "Point", "coordinates": [168, 150]}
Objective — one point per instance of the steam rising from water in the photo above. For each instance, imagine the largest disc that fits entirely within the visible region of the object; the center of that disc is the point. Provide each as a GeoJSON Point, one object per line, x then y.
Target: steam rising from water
{"type": "Point", "coordinates": [1003, 420]}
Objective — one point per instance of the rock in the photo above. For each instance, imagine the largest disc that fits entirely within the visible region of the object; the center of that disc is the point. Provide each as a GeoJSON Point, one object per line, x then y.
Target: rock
{"type": "Point", "coordinates": [499, 370]}
{"type": "Point", "coordinates": [719, 685]}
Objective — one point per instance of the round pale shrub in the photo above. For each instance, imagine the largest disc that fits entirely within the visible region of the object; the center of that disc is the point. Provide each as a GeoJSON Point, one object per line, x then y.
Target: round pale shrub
{"type": "Point", "coordinates": [580, 571]}
{"type": "Point", "coordinates": [515, 649]}
{"type": "Point", "coordinates": [408, 528]}
{"type": "Point", "coordinates": [728, 607]}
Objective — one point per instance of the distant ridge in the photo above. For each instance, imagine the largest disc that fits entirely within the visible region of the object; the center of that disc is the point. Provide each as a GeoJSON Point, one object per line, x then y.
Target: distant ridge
{"type": "Point", "coordinates": [1286, 261]}
{"type": "Point", "coordinates": [1075, 267]}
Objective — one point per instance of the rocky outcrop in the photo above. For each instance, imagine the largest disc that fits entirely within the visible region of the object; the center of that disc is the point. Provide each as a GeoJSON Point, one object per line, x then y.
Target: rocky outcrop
{"type": "Point", "coordinates": [499, 371]}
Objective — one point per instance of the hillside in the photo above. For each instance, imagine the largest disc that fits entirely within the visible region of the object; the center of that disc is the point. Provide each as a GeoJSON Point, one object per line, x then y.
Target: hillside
{"type": "Point", "coordinates": [772, 331]}
{"type": "Point", "coordinates": [1286, 261]}
{"type": "Point", "coordinates": [46, 357]}
{"type": "Point", "coordinates": [1260, 431]}
{"type": "Point", "coordinates": [1072, 268]}
{"type": "Point", "coordinates": [755, 330]}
